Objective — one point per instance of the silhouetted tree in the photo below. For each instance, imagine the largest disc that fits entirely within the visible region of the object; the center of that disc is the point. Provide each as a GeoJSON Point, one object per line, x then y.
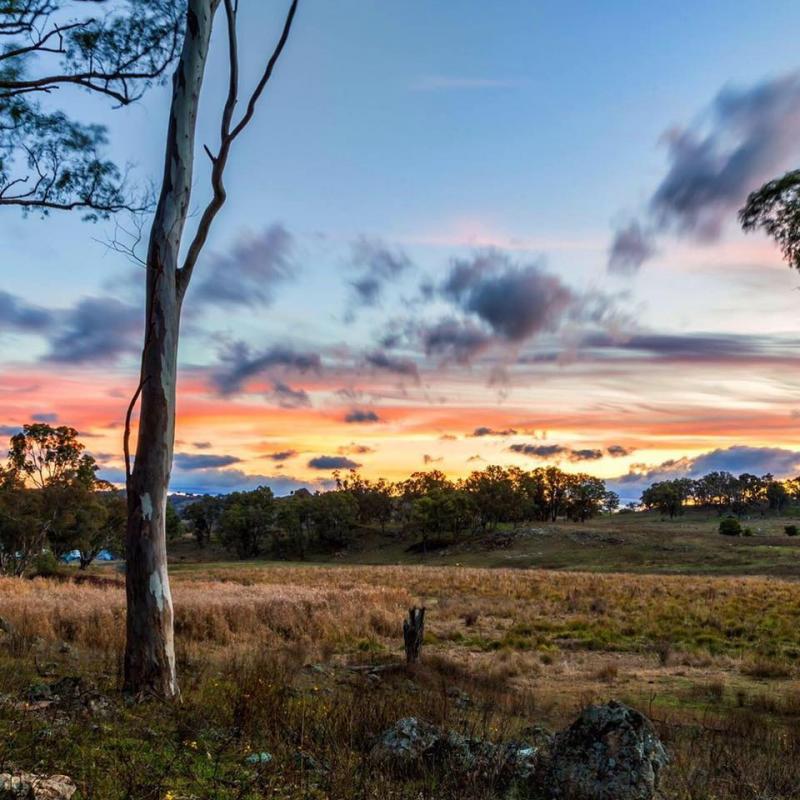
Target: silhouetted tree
{"type": "Point", "coordinates": [775, 208]}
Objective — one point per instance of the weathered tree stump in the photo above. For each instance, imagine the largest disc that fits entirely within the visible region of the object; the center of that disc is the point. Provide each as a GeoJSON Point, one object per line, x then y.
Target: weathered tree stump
{"type": "Point", "coordinates": [414, 633]}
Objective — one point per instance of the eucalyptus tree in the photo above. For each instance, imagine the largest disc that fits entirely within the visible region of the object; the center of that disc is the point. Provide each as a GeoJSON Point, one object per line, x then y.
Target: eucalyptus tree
{"type": "Point", "coordinates": [775, 208]}
{"type": "Point", "coordinates": [170, 261]}
{"type": "Point", "coordinates": [49, 160]}
{"type": "Point", "coordinates": [114, 51]}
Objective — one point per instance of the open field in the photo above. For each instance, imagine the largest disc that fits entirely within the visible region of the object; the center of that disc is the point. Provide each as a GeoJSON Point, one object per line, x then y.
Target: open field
{"type": "Point", "coordinates": [279, 659]}
{"type": "Point", "coordinates": [641, 543]}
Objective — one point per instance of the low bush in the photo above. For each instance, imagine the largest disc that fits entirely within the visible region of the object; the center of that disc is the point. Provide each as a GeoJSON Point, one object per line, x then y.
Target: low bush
{"type": "Point", "coordinates": [730, 526]}
{"type": "Point", "coordinates": [791, 530]}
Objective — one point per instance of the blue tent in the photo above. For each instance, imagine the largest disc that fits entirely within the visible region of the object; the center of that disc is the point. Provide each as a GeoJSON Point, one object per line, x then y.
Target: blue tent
{"type": "Point", "coordinates": [75, 555]}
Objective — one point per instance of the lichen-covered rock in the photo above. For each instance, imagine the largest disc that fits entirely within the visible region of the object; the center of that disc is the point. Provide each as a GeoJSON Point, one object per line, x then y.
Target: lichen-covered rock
{"type": "Point", "coordinates": [406, 744]}
{"type": "Point", "coordinates": [28, 786]}
{"type": "Point", "coordinates": [611, 752]}
{"type": "Point", "coordinates": [411, 744]}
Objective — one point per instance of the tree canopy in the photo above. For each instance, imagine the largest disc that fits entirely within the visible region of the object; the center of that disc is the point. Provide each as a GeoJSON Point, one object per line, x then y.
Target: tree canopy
{"type": "Point", "coordinates": [115, 50]}
{"type": "Point", "coordinates": [775, 208]}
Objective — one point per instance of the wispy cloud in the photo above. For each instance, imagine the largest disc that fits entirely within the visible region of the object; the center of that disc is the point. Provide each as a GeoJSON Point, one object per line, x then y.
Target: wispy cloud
{"type": "Point", "coordinates": [743, 138]}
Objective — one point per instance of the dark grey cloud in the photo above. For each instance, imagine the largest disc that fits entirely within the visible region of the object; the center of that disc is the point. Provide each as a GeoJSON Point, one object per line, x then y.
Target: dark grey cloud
{"type": "Point", "coordinates": [10, 430]}
{"type": "Point", "coordinates": [96, 329]}
{"type": "Point", "coordinates": [454, 340]}
{"type": "Point", "coordinates": [501, 302]}
{"type": "Point", "coordinates": [190, 461]}
{"type": "Point", "coordinates": [745, 137]}
{"type": "Point", "coordinates": [287, 397]}
{"type": "Point", "coordinates": [631, 246]}
{"type": "Point", "coordinates": [695, 347]}
{"type": "Point", "coordinates": [404, 367]}
{"type": "Point", "coordinates": [587, 454]}
{"type": "Point", "coordinates": [46, 416]}
{"type": "Point", "coordinates": [556, 451]}
{"type": "Point", "coordinates": [429, 459]}
{"type": "Point", "coordinates": [619, 451]}
{"type": "Point", "coordinates": [281, 455]}
{"type": "Point", "coordinates": [247, 276]}
{"type": "Point", "coordinates": [332, 462]}
{"type": "Point", "coordinates": [544, 451]}
{"type": "Point", "coordinates": [238, 363]}
{"type": "Point", "coordinates": [17, 314]}
{"type": "Point", "coordinates": [201, 445]}
{"type": "Point", "coordinates": [378, 264]}
{"type": "Point", "coordinates": [516, 301]}
{"type": "Point", "coordinates": [486, 431]}
{"type": "Point", "coordinates": [361, 415]}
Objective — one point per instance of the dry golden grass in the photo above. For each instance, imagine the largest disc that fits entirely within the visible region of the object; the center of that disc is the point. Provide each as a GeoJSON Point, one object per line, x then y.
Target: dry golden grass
{"type": "Point", "coordinates": [674, 618]}
{"type": "Point", "coordinates": [712, 660]}
{"type": "Point", "coordinates": [206, 612]}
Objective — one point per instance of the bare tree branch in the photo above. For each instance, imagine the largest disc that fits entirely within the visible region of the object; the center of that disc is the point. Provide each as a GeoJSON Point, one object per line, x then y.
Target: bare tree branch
{"type": "Point", "coordinates": [228, 135]}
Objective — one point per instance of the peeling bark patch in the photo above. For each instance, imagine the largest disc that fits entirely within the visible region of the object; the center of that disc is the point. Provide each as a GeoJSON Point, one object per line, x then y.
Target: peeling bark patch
{"type": "Point", "coordinates": [147, 507]}
{"type": "Point", "coordinates": [157, 590]}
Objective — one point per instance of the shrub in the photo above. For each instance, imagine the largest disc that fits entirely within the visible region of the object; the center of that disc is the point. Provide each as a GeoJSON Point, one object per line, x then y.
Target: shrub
{"type": "Point", "coordinates": [45, 565]}
{"type": "Point", "coordinates": [791, 530]}
{"type": "Point", "coordinates": [730, 526]}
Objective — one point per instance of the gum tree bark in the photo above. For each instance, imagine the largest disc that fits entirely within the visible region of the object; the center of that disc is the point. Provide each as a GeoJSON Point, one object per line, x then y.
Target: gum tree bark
{"type": "Point", "coordinates": [149, 649]}
{"type": "Point", "coordinates": [150, 652]}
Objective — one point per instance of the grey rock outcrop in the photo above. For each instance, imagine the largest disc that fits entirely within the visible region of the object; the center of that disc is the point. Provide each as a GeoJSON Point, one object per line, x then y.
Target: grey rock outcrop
{"type": "Point", "coordinates": [611, 752]}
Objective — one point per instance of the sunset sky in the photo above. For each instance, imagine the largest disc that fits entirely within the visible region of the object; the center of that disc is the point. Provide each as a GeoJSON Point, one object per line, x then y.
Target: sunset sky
{"type": "Point", "coordinates": [457, 234]}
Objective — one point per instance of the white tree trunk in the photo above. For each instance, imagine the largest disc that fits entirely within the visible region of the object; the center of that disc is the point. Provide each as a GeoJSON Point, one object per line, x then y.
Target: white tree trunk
{"type": "Point", "coordinates": [149, 651]}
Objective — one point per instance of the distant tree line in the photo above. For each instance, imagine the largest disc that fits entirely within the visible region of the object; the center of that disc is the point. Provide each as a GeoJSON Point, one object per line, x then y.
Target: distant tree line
{"type": "Point", "coordinates": [724, 493]}
{"type": "Point", "coordinates": [427, 508]}
{"type": "Point", "coordinates": [53, 503]}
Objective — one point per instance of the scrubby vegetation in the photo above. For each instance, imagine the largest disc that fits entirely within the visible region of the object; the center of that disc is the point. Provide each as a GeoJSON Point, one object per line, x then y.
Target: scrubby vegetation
{"type": "Point", "coordinates": [291, 674]}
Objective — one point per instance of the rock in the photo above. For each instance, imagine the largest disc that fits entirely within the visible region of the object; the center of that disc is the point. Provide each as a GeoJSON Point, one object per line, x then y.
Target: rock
{"type": "Point", "coordinates": [611, 752]}
{"type": "Point", "coordinates": [520, 762]}
{"type": "Point", "coordinates": [28, 786]}
{"type": "Point", "coordinates": [71, 695]}
{"type": "Point", "coordinates": [406, 744]}
{"type": "Point", "coordinates": [411, 744]}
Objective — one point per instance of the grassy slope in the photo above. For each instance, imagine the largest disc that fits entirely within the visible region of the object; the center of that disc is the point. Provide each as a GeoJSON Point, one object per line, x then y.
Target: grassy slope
{"type": "Point", "coordinates": [639, 543]}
